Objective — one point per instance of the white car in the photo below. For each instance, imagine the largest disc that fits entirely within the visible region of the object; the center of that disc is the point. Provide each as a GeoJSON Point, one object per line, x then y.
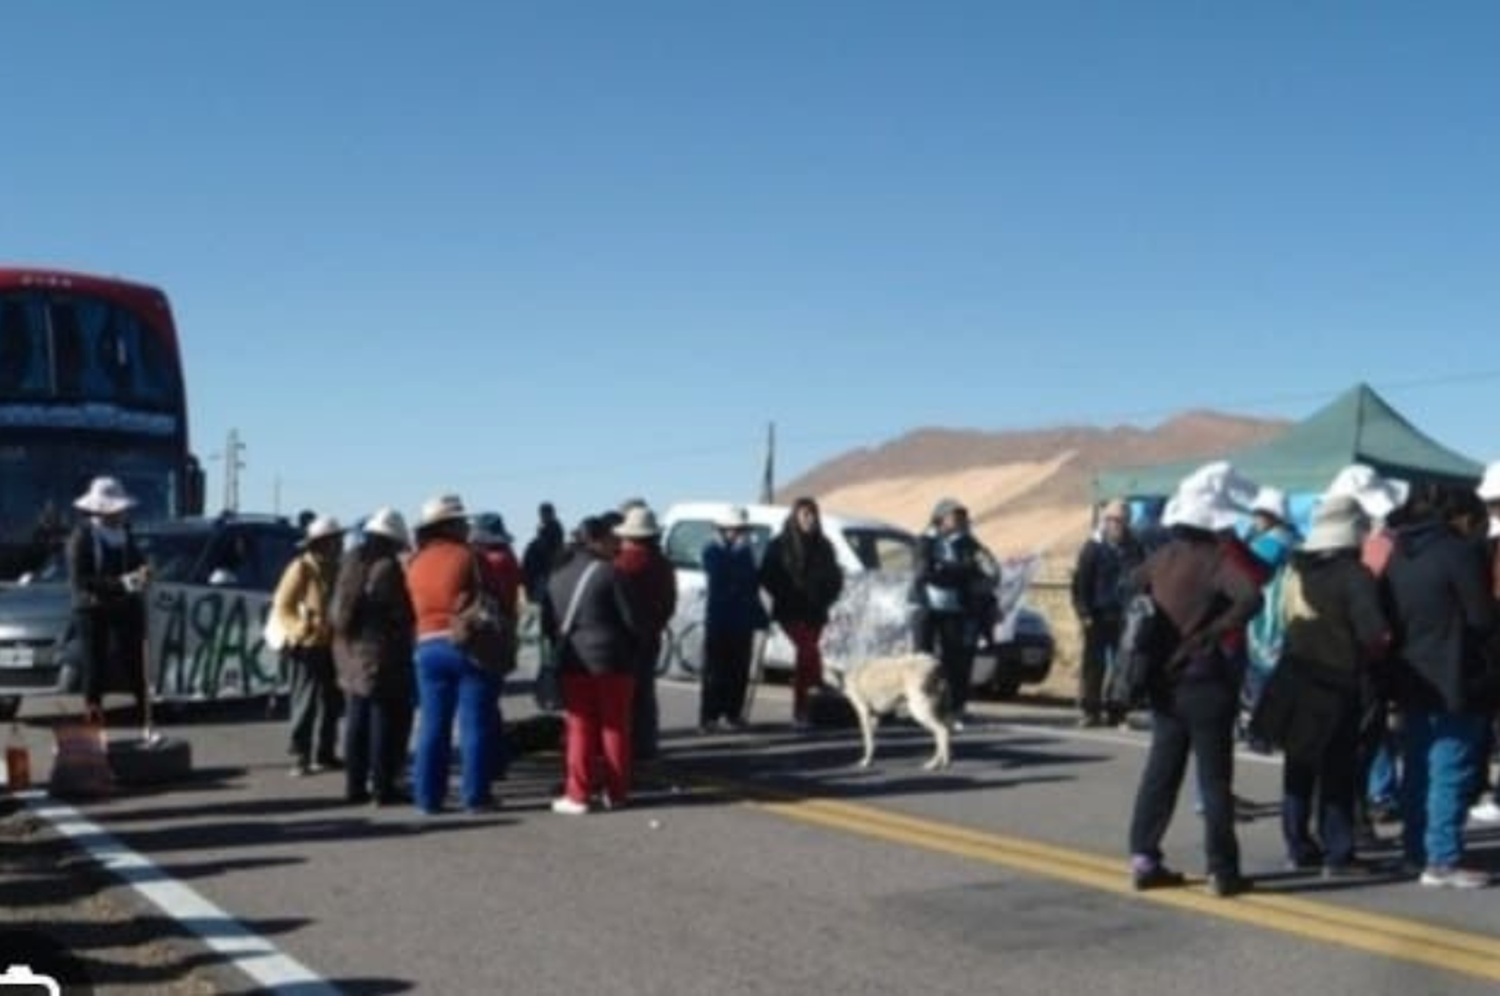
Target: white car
{"type": "Point", "coordinates": [871, 617]}
{"type": "Point", "coordinates": [862, 546]}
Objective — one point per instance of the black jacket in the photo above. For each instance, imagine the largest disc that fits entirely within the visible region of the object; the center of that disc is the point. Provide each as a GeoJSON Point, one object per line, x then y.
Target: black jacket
{"type": "Point", "coordinates": [95, 569]}
{"type": "Point", "coordinates": [1442, 614]}
{"type": "Point", "coordinates": [954, 575]}
{"type": "Point", "coordinates": [374, 628]}
{"type": "Point", "coordinates": [1339, 623]}
{"type": "Point", "coordinates": [804, 588]}
{"type": "Point", "coordinates": [1100, 577]}
{"type": "Point", "coordinates": [603, 638]}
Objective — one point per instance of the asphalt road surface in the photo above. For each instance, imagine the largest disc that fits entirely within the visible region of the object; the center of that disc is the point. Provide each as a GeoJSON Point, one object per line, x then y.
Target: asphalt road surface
{"type": "Point", "coordinates": [755, 863]}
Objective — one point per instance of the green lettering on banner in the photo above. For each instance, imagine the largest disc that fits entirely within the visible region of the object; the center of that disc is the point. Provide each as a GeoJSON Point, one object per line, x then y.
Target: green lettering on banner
{"type": "Point", "coordinates": [231, 649]}
{"type": "Point", "coordinates": [204, 616]}
{"type": "Point", "coordinates": [169, 618]}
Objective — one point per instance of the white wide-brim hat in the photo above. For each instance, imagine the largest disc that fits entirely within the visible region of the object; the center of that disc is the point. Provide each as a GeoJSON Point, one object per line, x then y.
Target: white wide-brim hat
{"type": "Point", "coordinates": [1212, 498]}
{"type": "Point", "coordinates": [323, 527]}
{"type": "Point", "coordinates": [443, 508]}
{"type": "Point", "coordinates": [1272, 502]}
{"type": "Point", "coordinates": [1489, 487]}
{"type": "Point", "coordinates": [1378, 496]}
{"type": "Point", "coordinates": [389, 523]}
{"type": "Point", "coordinates": [640, 523]}
{"type": "Point", "coordinates": [1339, 523]}
{"type": "Point", "coordinates": [105, 496]}
{"type": "Point", "coordinates": [735, 518]}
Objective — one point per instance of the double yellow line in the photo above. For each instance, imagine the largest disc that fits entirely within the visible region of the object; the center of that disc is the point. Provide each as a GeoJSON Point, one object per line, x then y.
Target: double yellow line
{"type": "Point", "coordinates": [1476, 955]}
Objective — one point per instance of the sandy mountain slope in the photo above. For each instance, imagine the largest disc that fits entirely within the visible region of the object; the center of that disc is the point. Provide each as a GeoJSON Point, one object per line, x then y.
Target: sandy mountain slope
{"type": "Point", "coordinates": [1028, 492]}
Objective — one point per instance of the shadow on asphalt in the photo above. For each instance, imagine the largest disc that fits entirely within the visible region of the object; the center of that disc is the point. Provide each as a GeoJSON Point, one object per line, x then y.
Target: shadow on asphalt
{"type": "Point", "coordinates": [225, 835]}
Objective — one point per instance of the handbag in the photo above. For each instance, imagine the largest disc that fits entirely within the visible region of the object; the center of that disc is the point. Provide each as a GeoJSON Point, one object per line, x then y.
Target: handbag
{"type": "Point", "coordinates": [1140, 656]}
{"type": "Point", "coordinates": [481, 631]}
{"type": "Point", "coordinates": [548, 688]}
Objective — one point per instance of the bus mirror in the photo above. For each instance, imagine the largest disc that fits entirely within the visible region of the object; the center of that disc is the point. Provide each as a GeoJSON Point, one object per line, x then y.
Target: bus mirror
{"type": "Point", "coordinates": [195, 487]}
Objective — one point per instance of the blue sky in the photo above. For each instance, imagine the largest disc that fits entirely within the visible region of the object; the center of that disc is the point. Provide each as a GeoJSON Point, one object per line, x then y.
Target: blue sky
{"type": "Point", "coordinates": [586, 250]}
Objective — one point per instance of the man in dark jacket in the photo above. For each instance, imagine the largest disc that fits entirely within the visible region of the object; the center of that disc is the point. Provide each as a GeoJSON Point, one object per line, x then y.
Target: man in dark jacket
{"type": "Point", "coordinates": [586, 613]}
{"type": "Point", "coordinates": [543, 553]}
{"type": "Point", "coordinates": [1443, 615]}
{"type": "Point", "coordinates": [732, 615]}
{"type": "Point", "coordinates": [801, 573]}
{"type": "Point", "coordinates": [1104, 563]}
{"type": "Point", "coordinates": [954, 594]}
{"type": "Point", "coordinates": [650, 585]}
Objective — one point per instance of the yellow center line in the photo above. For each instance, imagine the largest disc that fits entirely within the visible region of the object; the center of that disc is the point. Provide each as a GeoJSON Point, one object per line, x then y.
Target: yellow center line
{"type": "Point", "coordinates": [1471, 954]}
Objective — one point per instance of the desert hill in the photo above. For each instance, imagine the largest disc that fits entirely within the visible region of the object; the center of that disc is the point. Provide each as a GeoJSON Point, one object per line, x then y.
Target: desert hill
{"type": "Point", "coordinates": [1028, 492]}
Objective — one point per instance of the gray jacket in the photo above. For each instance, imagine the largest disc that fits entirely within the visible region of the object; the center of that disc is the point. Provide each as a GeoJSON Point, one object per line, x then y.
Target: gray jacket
{"type": "Point", "coordinates": [602, 639]}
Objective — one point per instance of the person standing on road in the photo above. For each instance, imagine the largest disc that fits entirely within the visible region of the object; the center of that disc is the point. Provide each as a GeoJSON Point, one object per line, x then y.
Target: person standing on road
{"type": "Point", "coordinates": [373, 640]}
{"type": "Point", "coordinates": [801, 573]}
{"type": "Point", "coordinates": [1334, 629]}
{"type": "Point", "coordinates": [107, 573]}
{"type": "Point", "coordinates": [1444, 615]}
{"type": "Point", "coordinates": [502, 576]}
{"type": "Point", "coordinates": [732, 615]}
{"type": "Point", "coordinates": [301, 605]}
{"type": "Point", "coordinates": [1272, 539]}
{"type": "Point", "coordinates": [1487, 810]}
{"type": "Point", "coordinates": [543, 553]}
{"type": "Point", "coordinates": [954, 592]}
{"type": "Point", "coordinates": [1106, 560]}
{"type": "Point", "coordinates": [1204, 598]}
{"type": "Point", "coordinates": [587, 614]}
{"type": "Point", "coordinates": [650, 586]}
{"type": "Point", "coordinates": [442, 577]}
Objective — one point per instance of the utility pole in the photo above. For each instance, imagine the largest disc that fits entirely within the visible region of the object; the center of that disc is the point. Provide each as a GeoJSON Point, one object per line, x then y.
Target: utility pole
{"type": "Point", "coordinates": [233, 448]}
{"type": "Point", "coordinates": [768, 473]}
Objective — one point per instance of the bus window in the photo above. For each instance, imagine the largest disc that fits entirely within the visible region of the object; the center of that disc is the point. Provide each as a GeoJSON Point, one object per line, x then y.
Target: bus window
{"type": "Point", "coordinates": [23, 350]}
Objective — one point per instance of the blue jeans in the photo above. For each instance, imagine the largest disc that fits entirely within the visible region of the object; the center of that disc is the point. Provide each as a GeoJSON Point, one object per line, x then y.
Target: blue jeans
{"type": "Point", "coordinates": [447, 682]}
{"type": "Point", "coordinates": [1385, 782]}
{"type": "Point", "coordinates": [1442, 765]}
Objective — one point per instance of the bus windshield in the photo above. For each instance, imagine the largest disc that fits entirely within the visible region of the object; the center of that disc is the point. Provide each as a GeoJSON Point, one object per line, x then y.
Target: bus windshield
{"type": "Point", "coordinates": [81, 349]}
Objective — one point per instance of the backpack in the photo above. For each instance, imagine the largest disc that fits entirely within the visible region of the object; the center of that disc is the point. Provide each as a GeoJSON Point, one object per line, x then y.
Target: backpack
{"type": "Point", "coordinates": [1145, 644]}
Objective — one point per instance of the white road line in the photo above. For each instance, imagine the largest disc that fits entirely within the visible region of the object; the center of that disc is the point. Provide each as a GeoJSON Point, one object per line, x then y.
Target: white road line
{"type": "Point", "coordinates": [256, 957]}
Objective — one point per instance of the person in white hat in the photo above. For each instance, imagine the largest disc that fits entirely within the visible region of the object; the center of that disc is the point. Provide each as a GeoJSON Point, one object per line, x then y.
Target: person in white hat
{"type": "Point", "coordinates": [300, 605]}
{"type": "Point", "coordinates": [1382, 498]}
{"type": "Point", "coordinates": [374, 632]}
{"type": "Point", "coordinates": [1105, 560]}
{"type": "Point", "coordinates": [441, 577]}
{"type": "Point", "coordinates": [732, 615]}
{"type": "Point", "coordinates": [1487, 810]}
{"type": "Point", "coordinates": [1335, 631]}
{"type": "Point", "coordinates": [649, 582]}
{"type": "Point", "coordinates": [107, 572]}
{"type": "Point", "coordinates": [1206, 595]}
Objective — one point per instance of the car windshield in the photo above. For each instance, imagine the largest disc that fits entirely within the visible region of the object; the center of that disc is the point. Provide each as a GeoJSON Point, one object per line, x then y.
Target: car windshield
{"type": "Point", "coordinates": [172, 554]}
{"type": "Point", "coordinates": [685, 542]}
{"type": "Point", "coordinates": [882, 549]}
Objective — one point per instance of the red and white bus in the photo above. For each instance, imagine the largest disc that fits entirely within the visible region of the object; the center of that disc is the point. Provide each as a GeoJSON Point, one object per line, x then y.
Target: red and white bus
{"type": "Point", "coordinates": [90, 383]}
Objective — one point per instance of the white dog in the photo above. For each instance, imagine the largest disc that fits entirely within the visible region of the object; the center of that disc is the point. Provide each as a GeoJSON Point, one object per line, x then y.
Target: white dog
{"type": "Point", "coordinates": [876, 687]}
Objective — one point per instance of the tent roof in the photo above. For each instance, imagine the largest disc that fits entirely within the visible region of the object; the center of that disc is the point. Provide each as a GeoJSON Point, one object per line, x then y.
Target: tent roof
{"type": "Point", "coordinates": [1358, 426]}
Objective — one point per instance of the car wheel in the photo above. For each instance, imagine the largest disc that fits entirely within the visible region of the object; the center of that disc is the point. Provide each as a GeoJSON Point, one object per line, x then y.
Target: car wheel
{"type": "Point", "coordinates": [1005, 686]}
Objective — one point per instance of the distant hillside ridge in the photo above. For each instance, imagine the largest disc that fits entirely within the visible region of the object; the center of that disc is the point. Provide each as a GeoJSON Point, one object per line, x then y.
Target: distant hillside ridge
{"type": "Point", "coordinates": [1027, 491]}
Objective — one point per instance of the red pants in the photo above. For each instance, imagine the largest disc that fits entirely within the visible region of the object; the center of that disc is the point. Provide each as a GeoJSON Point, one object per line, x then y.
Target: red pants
{"type": "Point", "coordinates": [808, 673]}
{"type": "Point", "coordinates": [597, 716]}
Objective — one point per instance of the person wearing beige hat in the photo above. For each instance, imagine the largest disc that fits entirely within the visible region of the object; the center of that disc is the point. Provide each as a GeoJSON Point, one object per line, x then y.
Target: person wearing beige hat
{"type": "Point", "coordinates": [649, 582]}
{"type": "Point", "coordinates": [300, 604]}
{"type": "Point", "coordinates": [441, 576]}
{"type": "Point", "coordinates": [1098, 589]}
{"type": "Point", "coordinates": [373, 636]}
{"type": "Point", "coordinates": [106, 572]}
{"type": "Point", "coordinates": [1335, 631]}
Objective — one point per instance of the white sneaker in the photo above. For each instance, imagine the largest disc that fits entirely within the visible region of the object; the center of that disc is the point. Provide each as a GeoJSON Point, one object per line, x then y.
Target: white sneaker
{"type": "Point", "coordinates": [1453, 877]}
{"type": "Point", "coordinates": [564, 806]}
{"type": "Point", "coordinates": [1486, 812]}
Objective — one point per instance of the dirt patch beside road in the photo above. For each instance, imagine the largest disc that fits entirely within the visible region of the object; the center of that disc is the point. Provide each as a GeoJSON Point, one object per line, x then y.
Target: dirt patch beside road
{"type": "Point", "coordinates": [52, 890]}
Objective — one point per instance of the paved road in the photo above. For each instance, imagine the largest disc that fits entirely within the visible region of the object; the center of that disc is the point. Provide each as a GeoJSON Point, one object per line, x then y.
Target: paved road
{"type": "Point", "coordinates": [765, 863]}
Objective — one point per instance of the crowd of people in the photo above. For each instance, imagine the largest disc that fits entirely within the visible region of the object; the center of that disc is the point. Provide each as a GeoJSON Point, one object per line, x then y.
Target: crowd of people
{"type": "Point", "coordinates": [1367, 652]}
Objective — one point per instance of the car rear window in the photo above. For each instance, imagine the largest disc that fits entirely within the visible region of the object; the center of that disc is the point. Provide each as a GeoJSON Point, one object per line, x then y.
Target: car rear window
{"type": "Point", "coordinates": [882, 550]}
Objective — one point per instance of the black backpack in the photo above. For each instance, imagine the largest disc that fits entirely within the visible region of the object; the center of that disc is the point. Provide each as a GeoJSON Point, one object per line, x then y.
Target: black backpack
{"type": "Point", "coordinates": [1146, 641]}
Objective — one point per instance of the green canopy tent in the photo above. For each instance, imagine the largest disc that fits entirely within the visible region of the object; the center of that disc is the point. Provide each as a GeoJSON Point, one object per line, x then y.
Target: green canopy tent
{"type": "Point", "coordinates": [1359, 426]}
